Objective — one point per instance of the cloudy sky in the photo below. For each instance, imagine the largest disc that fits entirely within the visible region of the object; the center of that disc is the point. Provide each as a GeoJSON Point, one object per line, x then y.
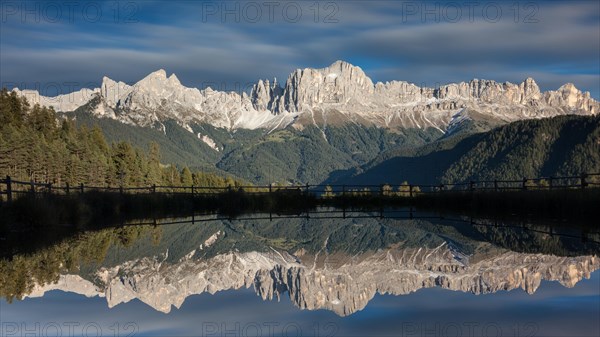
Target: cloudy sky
{"type": "Point", "coordinates": [227, 45]}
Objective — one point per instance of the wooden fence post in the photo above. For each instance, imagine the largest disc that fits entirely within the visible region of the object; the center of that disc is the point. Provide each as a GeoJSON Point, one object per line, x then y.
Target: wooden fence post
{"type": "Point", "coordinates": [81, 188]}
{"type": "Point", "coordinates": [192, 190]}
{"type": "Point", "coordinates": [270, 188]}
{"type": "Point", "coordinates": [583, 180]}
{"type": "Point", "coordinates": [307, 187]}
{"type": "Point", "coordinates": [67, 189]}
{"type": "Point", "coordinates": [31, 187]}
{"type": "Point", "coordinates": [381, 190]}
{"type": "Point", "coordinates": [8, 189]}
{"type": "Point", "coordinates": [49, 188]}
{"type": "Point", "coordinates": [343, 190]}
{"type": "Point", "coordinates": [410, 190]}
{"type": "Point", "coordinates": [524, 184]}
{"type": "Point", "coordinates": [121, 189]}
{"type": "Point", "coordinates": [153, 188]}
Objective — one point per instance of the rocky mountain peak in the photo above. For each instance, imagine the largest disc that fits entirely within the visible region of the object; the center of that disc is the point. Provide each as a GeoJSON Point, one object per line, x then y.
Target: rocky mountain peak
{"type": "Point", "coordinates": [156, 78]}
{"type": "Point", "coordinates": [340, 66]}
{"type": "Point", "coordinates": [341, 63]}
{"type": "Point", "coordinates": [529, 81]}
{"type": "Point", "coordinates": [106, 79]}
{"type": "Point", "coordinates": [530, 90]}
{"type": "Point", "coordinates": [160, 73]}
{"type": "Point", "coordinates": [112, 90]}
{"type": "Point", "coordinates": [264, 94]}
{"type": "Point", "coordinates": [341, 82]}
{"type": "Point", "coordinates": [342, 89]}
{"type": "Point", "coordinates": [174, 80]}
{"type": "Point", "coordinates": [568, 88]}
{"type": "Point", "coordinates": [571, 99]}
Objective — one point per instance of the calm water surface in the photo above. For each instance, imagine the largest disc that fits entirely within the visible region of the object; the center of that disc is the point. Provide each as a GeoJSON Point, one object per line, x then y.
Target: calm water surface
{"type": "Point", "coordinates": [356, 276]}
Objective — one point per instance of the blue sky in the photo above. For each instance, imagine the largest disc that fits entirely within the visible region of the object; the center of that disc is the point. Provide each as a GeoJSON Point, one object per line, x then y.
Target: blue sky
{"type": "Point", "coordinates": [228, 45]}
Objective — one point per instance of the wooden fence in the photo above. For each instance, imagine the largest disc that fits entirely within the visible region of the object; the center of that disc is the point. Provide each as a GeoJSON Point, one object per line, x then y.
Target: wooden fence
{"type": "Point", "coordinates": [10, 188]}
{"type": "Point", "coordinates": [582, 181]}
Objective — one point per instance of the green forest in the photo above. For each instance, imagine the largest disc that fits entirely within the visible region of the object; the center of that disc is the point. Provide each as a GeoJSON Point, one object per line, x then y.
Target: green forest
{"type": "Point", "coordinates": [547, 147]}
{"type": "Point", "coordinates": [36, 146]}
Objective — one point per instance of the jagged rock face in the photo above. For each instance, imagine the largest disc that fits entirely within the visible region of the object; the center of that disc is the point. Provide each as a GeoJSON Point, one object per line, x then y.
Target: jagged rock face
{"type": "Point", "coordinates": [491, 92]}
{"type": "Point", "coordinates": [570, 97]}
{"type": "Point", "coordinates": [339, 83]}
{"type": "Point", "coordinates": [345, 88]}
{"type": "Point", "coordinates": [158, 97]}
{"type": "Point", "coordinates": [112, 91]}
{"type": "Point", "coordinates": [338, 282]}
{"type": "Point", "coordinates": [340, 93]}
{"type": "Point", "coordinates": [263, 95]}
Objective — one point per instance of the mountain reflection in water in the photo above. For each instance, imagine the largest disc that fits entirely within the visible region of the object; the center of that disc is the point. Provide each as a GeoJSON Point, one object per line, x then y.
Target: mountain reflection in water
{"type": "Point", "coordinates": [333, 263]}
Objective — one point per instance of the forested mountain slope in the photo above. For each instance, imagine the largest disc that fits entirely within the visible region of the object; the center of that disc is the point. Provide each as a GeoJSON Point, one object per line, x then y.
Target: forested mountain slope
{"type": "Point", "coordinates": [564, 145]}
{"type": "Point", "coordinates": [289, 155]}
{"type": "Point", "coordinates": [36, 146]}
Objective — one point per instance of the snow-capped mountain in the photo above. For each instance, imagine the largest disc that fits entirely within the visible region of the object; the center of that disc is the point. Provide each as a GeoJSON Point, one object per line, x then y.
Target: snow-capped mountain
{"type": "Point", "coordinates": [338, 94]}
{"type": "Point", "coordinates": [157, 97]}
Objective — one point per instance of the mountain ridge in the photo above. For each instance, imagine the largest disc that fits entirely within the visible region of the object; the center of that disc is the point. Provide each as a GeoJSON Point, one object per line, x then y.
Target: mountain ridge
{"type": "Point", "coordinates": [558, 146]}
{"type": "Point", "coordinates": [340, 91]}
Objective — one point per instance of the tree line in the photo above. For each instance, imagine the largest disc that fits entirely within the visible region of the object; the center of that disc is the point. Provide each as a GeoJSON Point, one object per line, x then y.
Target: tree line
{"type": "Point", "coordinates": [37, 146]}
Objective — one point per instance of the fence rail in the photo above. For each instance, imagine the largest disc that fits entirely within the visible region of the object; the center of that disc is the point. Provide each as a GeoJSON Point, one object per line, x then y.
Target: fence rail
{"type": "Point", "coordinates": [11, 188]}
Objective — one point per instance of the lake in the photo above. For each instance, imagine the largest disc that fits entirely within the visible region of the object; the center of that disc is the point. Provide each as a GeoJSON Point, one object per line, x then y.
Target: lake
{"type": "Point", "coordinates": [327, 273]}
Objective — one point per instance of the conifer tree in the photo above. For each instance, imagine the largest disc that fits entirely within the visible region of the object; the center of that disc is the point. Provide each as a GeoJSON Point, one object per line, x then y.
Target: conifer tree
{"type": "Point", "coordinates": [186, 177]}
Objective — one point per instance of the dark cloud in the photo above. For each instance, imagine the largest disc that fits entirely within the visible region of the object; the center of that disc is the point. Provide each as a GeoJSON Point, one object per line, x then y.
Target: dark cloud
{"type": "Point", "coordinates": [390, 40]}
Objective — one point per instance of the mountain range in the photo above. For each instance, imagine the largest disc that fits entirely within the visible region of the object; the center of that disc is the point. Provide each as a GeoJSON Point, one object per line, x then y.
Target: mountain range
{"type": "Point", "coordinates": [319, 123]}
{"type": "Point", "coordinates": [338, 94]}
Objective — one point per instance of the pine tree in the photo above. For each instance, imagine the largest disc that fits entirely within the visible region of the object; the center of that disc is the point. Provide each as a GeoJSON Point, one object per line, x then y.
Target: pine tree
{"type": "Point", "coordinates": [171, 176]}
{"type": "Point", "coordinates": [186, 177]}
{"type": "Point", "coordinates": [154, 172]}
{"type": "Point", "coordinates": [123, 156]}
